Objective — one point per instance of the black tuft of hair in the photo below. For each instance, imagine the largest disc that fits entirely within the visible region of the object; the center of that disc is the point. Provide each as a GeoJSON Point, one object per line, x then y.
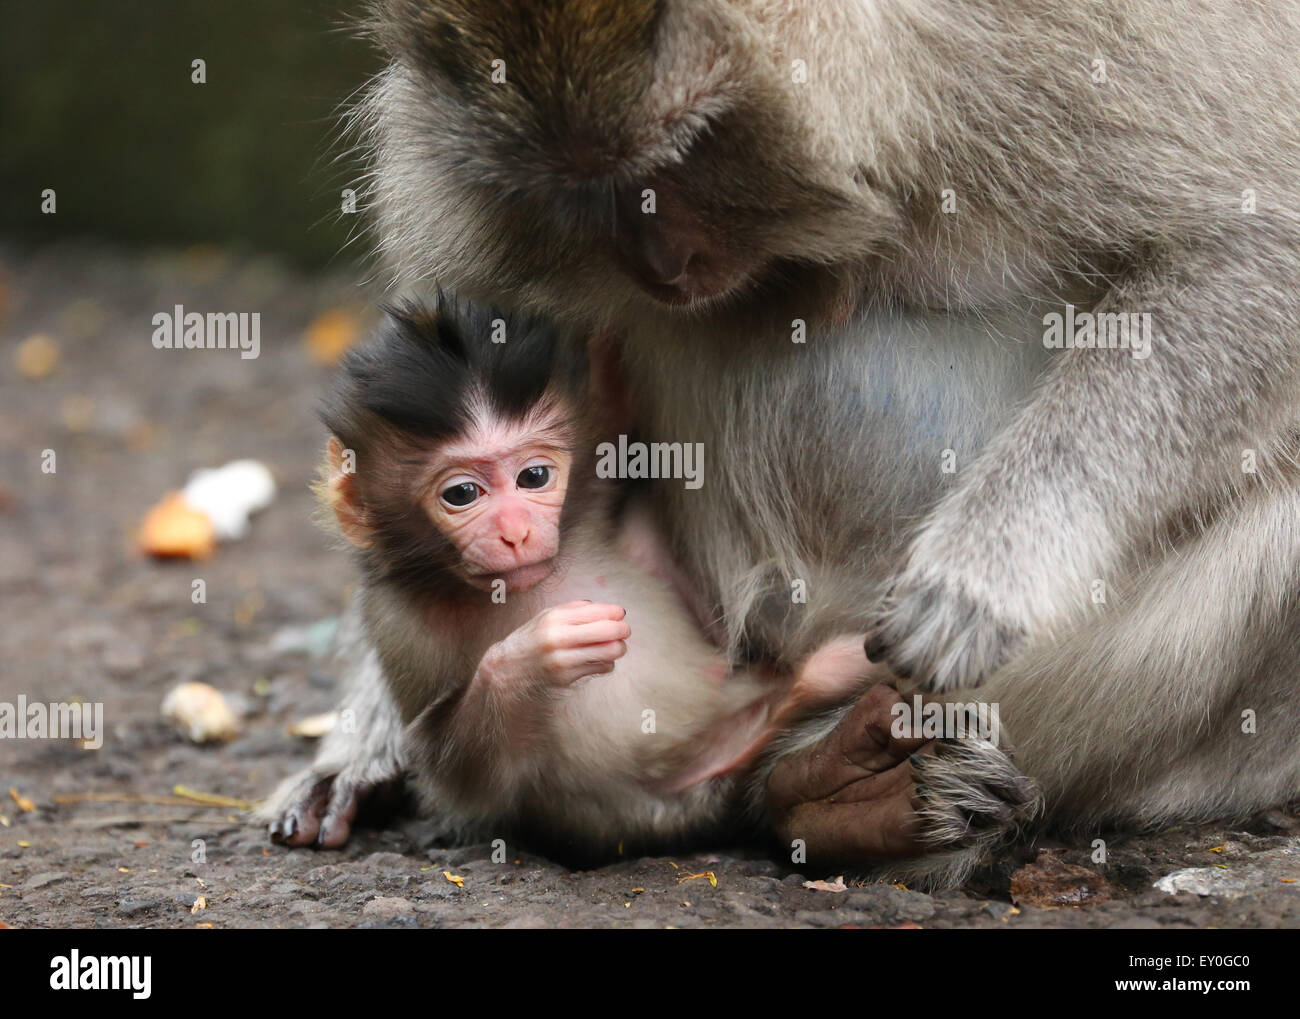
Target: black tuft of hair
{"type": "Point", "coordinates": [431, 362]}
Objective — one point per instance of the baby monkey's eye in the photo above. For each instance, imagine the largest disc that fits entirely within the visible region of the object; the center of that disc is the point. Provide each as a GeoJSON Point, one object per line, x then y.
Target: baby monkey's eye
{"type": "Point", "coordinates": [461, 495]}
{"type": "Point", "coordinates": [534, 477]}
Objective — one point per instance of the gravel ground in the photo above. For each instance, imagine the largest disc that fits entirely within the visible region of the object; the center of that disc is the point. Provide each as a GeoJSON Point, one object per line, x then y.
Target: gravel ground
{"type": "Point", "coordinates": [85, 616]}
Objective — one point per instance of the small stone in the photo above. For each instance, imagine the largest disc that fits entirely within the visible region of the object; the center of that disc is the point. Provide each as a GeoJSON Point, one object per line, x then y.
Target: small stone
{"type": "Point", "coordinates": [378, 923]}
{"type": "Point", "coordinates": [888, 904]}
{"type": "Point", "coordinates": [387, 861]}
{"type": "Point", "coordinates": [138, 907]}
{"type": "Point", "coordinates": [201, 713]}
{"type": "Point", "coordinates": [387, 906]}
{"type": "Point", "coordinates": [43, 879]}
{"type": "Point", "coordinates": [439, 889]}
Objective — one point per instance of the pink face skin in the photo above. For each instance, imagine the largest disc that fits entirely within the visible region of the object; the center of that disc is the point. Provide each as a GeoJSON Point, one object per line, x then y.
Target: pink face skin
{"type": "Point", "coordinates": [496, 493]}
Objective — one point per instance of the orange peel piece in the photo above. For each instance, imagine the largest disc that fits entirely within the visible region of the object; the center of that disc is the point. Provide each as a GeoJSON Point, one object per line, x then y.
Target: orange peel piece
{"type": "Point", "coordinates": [173, 529]}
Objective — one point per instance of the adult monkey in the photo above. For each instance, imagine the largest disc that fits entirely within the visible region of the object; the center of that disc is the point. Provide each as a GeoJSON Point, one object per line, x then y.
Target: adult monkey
{"type": "Point", "coordinates": [843, 163]}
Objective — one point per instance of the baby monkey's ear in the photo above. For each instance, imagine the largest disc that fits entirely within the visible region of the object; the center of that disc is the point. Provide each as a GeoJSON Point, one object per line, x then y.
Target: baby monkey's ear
{"type": "Point", "coordinates": [342, 494]}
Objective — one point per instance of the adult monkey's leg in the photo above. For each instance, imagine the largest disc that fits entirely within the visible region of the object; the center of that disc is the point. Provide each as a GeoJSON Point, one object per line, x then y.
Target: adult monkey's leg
{"type": "Point", "coordinates": [1162, 708]}
{"type": "Point", "coordinates": [1178, 707]}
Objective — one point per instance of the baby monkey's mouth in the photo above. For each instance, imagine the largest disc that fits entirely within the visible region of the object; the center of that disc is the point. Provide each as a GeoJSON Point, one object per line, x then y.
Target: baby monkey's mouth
{"type": "Point", "coordinates": [521, 578]}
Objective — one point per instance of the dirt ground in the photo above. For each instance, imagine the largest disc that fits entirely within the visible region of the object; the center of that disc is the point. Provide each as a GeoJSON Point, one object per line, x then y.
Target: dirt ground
{"type": "Point", "coordinates": [85, 616]}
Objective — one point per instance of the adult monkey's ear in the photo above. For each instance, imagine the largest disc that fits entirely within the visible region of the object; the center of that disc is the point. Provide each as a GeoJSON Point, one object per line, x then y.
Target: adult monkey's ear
{"type": "Point", "coordinates": [342, 495]}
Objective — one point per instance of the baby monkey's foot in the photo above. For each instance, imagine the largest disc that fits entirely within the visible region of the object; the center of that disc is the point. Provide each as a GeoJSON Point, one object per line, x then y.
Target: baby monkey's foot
{"type": "Point", "coordinates": [866, 796]}
{"type": "Point", "coordinates": [320, 810]}
{"type": "Point", "coordinates": [851, 797]}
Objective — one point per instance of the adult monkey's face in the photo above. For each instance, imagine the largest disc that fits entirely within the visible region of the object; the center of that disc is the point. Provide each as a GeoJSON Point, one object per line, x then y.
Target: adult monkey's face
{"type": "Point", "coordinates": [597, 159]}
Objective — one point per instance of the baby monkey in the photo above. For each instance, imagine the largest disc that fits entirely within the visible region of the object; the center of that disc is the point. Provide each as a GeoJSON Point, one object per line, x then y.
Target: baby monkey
{"type": "Point", "coordinates": [542, 675]}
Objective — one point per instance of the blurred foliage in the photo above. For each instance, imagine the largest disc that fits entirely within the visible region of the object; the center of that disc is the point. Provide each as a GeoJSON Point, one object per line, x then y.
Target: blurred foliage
{"type": "Point", "coordinates": [97, 102]}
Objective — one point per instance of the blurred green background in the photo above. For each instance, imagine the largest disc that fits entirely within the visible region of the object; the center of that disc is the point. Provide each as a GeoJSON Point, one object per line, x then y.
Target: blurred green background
{"type": "Point", "coordinates": [96, 101]}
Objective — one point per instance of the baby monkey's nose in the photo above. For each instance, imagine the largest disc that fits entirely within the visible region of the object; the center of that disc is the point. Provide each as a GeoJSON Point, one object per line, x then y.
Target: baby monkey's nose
{"type": "Point", "coordinates": [514, 529]}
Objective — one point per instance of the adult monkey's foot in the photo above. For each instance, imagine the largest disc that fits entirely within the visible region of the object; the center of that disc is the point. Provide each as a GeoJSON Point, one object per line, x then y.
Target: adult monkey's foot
{"type": "Point", "coordinates": [927, 811]}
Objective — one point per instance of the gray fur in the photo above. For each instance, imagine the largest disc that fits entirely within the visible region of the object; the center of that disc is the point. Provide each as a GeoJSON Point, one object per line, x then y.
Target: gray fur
{"type": "Point", "coordinates": [1087, 465]}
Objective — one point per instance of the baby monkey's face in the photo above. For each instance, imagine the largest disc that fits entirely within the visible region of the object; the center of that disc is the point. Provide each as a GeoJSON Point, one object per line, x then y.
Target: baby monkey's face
{"type": "Point", "coordinates": [497, 493]}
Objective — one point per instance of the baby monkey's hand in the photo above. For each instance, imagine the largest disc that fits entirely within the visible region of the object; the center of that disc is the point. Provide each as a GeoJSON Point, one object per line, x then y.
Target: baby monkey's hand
{"type": "Point", "coordinates": [563, 644]}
